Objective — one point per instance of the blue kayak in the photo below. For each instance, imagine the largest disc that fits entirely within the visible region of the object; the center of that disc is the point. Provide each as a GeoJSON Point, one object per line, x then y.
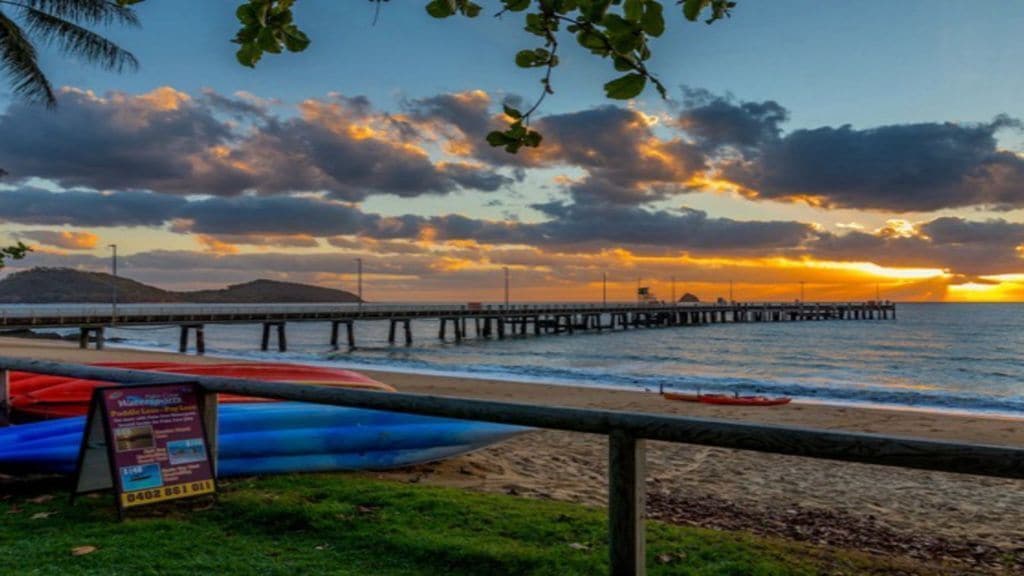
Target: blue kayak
{"type": "Point", "coordinates": [279, 437]}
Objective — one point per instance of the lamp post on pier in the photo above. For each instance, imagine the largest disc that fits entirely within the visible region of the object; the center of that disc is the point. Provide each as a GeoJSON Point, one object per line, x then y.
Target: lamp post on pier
{"type": "Point", "coordinates": [802, 291]}
{"type": "Point", "coordinates": [113, 271]}
{"type": "Point", "coordinates": [604, 288]}
{"type": "Point", "coordinates": [506, 286]}
{"type": "Point", "coordinates": [359, 280]}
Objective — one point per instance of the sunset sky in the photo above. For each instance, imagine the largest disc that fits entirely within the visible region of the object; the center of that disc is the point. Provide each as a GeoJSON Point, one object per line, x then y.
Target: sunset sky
{"type": "Point", "coordinates": [802, 141]}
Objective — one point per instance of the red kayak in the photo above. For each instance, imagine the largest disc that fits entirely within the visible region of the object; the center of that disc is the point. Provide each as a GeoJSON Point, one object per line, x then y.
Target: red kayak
{"type": "Point", "coordinates": [725, 399]}
{"type": "Point", "coordinates": [38, 396]}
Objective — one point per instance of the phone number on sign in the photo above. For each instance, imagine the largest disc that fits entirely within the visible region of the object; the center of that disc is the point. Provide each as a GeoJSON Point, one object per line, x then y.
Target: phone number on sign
{"type": "Point", "coordinates": [167, 493]}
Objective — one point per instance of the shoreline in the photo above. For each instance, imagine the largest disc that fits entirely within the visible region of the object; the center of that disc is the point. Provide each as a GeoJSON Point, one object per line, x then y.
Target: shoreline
{"type": "Point", "coordinates": [895, 511]}
{"type": "Point", "coordinates": [831, 415]}
{"type": "Point", "coordinates": [503, 376]}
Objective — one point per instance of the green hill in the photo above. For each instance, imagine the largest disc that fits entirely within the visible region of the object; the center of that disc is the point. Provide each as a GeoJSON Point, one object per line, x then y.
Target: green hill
{"type": "Point", "coordinates": [64, 285]}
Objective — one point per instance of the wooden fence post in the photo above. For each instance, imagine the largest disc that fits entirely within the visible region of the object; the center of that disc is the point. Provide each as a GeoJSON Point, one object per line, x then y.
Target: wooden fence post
{"type": "Point", "coordinates": [209, 414]}
{"type": "Point", "coordinates": [626, 477]}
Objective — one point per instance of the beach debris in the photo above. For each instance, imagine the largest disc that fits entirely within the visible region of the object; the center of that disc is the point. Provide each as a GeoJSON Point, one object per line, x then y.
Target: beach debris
{"type": "Point", "coordinates": [83, 550]}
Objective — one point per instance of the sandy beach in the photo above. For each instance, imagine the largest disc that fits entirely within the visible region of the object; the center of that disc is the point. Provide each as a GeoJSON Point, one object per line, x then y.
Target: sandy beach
{"type": "Point", "coordinates": [919, 514]}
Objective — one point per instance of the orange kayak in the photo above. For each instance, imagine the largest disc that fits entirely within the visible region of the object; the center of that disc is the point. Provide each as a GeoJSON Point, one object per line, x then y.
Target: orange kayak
{"type": "Point", "coordinates": [725, 399]}
{"type": "Point", "coordinates": [38, 396]}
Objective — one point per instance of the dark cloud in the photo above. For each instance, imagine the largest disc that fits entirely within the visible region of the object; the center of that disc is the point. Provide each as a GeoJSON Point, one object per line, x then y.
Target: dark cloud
{"type": "Point", "coordinates": [970, 248]}
{"type": "Point", "coordinates": [159, 141]}
{"type": "Point", "coordinates": [168, 142]}
{"type": "Point", "coordinates": [899, 168]}
{"type": "Point", "coordinates": [76, 208]}
{"type": "Point", "coordinates": [469, 112]}
{"type": "Point", "coordinates": [949, 230]}
{"type": "Point", "coordinates": [717, 121]}
{"type": "Point", "coordinates": [272, 215]}
{"type": "Point", "coordinates": [625, 162]}
{"type": "Point", "coordinates": [962, 246]}
{"type": "Point", "coordinates": [682, 229]}
{"type": "Point", "coordinates": [902, 167]}
{"type": "Point", "coordinates": [244, 108]}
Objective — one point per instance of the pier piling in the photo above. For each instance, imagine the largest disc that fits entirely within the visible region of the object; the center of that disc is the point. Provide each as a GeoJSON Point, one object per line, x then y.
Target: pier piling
{"type": "Point", "coordinates": [350, 333]}
{"type": "Point", "coordinates": [200, 339]}
{"type": "Point", "coordinates": [282, 341]}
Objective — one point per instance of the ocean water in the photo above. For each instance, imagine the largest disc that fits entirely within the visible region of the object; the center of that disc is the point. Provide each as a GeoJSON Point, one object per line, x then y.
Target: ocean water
{"type": "Point", "coordinates": [964, 357]}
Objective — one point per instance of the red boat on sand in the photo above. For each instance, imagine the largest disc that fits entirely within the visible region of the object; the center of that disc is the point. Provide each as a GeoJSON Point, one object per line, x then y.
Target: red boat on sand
{"type": "Point", "coordinates": [725, 399]}
{"type": "Point", "coordinates": [42, 396]}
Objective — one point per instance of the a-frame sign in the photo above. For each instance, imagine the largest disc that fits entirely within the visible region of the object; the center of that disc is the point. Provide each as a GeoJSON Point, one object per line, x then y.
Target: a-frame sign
{"type": "Point", "coordinates": [148, 442]}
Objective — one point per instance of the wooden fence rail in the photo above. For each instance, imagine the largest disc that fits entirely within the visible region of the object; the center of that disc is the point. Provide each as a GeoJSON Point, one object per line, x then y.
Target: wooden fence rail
{"type": "Point", "coordinates": [626, 431]}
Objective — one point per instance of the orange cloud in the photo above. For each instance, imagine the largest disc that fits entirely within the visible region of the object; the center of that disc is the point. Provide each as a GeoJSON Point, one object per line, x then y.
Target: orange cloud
{"type": "Point", "coordinates": [215, 245]}
{"type": "Point", "coordinates": [66, 239]}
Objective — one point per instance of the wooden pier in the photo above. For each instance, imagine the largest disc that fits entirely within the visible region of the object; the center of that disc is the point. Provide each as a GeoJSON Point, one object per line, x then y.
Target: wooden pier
{"type": "Point", "coordinates": [486, 321]}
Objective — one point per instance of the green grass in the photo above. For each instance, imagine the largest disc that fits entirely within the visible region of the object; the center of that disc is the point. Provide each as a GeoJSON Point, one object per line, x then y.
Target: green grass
{"type": "Point", "coordinates": [344, 524]}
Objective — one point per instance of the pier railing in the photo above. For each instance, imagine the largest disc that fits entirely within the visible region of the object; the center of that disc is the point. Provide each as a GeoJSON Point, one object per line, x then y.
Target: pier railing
{"type": "Point", "coordinates": [13, 314]}
{"type": "Point", "coordinates": [626, 432]}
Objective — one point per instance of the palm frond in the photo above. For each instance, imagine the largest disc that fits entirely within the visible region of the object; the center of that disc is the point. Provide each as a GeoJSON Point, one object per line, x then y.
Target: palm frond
{"type": "Point", "coordinates": [18, 59]}
{"type": "Point", "coordinates": [103, 12]}
{"type": "Point", "coordinates": [72, 39]}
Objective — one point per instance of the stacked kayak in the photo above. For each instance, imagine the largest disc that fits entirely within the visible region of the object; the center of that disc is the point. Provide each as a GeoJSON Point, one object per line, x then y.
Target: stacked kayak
{"type": "Point", "coordinates": [277, 438]}
{"type": "Point", "coordinates": [255, 436]}
{"type": "Point", "coordinates": [40, 396]}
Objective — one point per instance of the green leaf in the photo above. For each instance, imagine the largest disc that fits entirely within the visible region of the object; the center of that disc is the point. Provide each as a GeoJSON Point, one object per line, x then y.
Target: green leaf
{"type": "Point", "coordinates": [535, 24]}
{"type": "Point", "coordinates": [692, 8]}
{"type": "Point", "coordinates": [295, 40]}
{"type": "Point", "coordinates": [440, 9]}
{"type": "Point", "coordinates": [247, 34]}
{"type": "Point", "coordinates": [246, 14]}
{"type": "Point", "coordinates": [512, 112]}
{"type": "Point", "coordinates": [497, 138]}
{"type": "Point", "coordinates": [625, 87]}
{"type": "Point", "coordinates": [633, 9]}
{"type": "Point", "coordinates": [653, 21]}
{"type": "Point", "coordinates": [591, 40]}
{"type": "Point", "coordinates": [616, 24]}
{"type": "Point", "coordinates": [517, 5]}
{"type": "Point", "coordinates": [471, 10]}
{"type": "Point", "coordinates": [266, 40]}
{"type": "Point", "coordinates": [526, 59]}
{"type": "Point", "coordinates": [249, 55]}
{"type": "Point", "coordinates": [623, 64]}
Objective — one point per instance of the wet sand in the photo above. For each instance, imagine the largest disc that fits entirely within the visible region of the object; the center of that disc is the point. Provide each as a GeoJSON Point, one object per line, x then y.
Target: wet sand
{"type": "Point", "coordinates": [889, 510]}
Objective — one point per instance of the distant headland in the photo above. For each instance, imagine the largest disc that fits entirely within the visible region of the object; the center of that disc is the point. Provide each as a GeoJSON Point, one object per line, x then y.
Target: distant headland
{"type": "Point", "coordinates": [65, 285]}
